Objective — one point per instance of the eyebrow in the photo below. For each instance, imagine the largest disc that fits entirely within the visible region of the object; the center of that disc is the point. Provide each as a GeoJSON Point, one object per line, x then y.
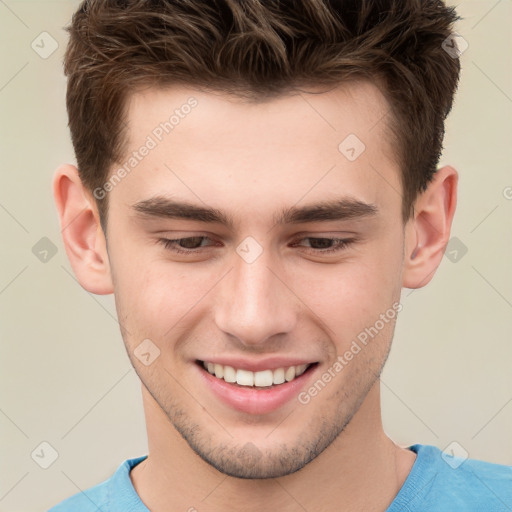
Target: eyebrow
{"type": "Point", "coordinates": [331, 210]}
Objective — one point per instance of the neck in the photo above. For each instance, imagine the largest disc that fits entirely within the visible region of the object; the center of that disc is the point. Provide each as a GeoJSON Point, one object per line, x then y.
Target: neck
{"type": "Point", "coordinates": [361, 470]}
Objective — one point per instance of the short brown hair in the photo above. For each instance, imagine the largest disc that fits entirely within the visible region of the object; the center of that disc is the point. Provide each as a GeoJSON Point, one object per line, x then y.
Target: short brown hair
{"type": "Point", "coordinates": [257, 49]}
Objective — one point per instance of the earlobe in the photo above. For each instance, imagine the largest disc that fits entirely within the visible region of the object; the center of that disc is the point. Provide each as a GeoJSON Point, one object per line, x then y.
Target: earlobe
{"type": "Point", "coordinates": [82, 234]}
{"type": "Point", "coordinates": [428, 231]}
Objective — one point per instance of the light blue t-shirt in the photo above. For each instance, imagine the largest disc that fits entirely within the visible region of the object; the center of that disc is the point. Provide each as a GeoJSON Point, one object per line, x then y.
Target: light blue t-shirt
{"type": "Point", "coordinates": [436, 482]}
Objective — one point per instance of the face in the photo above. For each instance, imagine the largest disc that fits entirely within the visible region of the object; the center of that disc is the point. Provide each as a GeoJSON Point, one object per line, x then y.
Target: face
{"type": "Point", "coordinates": [246, 240]}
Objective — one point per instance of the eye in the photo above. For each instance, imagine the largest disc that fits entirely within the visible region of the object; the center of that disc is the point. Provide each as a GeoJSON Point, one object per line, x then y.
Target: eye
{"type": "Point", "coordinates": [317, 245]}
{"type": "Point", "coordinates": [184, 245]}
{"type": "Point", "coordinates": [321, 245]}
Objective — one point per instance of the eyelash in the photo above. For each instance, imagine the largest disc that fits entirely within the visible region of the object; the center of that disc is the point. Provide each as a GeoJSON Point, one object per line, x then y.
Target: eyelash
{"type": "Point", "coordinates": [342, 244]}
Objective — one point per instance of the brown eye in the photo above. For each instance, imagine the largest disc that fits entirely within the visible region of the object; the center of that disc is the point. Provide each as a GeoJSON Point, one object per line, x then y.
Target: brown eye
{"type": "Point", "coordinates": [190, 243]}
{"type": "Point", "coordinates": [186, 245]}
{"type": "Point", "coordinates": [324, 245]}
{"type": "Point", "coordinates": [321, 243]}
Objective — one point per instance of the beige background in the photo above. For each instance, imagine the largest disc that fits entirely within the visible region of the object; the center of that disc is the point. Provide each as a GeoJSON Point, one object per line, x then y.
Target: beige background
{"type": "Point", "coordinates": [65, 376]}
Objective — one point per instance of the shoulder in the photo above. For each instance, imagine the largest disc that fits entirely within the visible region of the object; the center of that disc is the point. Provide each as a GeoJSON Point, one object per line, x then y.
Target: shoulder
{"type": "Point", "coordinates": [442, 481]}
{"type": "Point", "coordinates": [487, 485]}
{"type": "Point", "coordinates": [91, 500]}
{"type": "Point", "coordinates": [109, 495]}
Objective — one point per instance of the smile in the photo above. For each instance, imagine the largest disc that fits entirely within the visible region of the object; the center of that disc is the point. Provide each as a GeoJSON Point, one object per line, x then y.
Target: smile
{"type": "Point", "coordinates": [263, 378]}
{"type": "Point", "coordinates": [266, 387]}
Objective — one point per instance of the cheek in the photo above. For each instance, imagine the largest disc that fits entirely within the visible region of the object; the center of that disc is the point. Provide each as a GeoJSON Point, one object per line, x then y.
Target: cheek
{"type": "Point", "coordinates": [156, 298]}
{"type": "Point", "coordinates": [350, 296]}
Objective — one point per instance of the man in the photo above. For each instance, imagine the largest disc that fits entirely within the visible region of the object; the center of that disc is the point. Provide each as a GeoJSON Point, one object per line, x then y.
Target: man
{"type": "Point", "coordinates": [256, 182]}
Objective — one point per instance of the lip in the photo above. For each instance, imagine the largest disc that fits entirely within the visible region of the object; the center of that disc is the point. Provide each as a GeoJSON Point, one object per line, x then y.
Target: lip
{"type": "Point", "coordinates": [255, 401]}
{"type": "Point", "coordinates": [270, 363]}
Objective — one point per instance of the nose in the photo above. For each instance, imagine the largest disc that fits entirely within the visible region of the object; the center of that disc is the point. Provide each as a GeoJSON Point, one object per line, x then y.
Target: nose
{"type": "Point", "coordinates": [253, 303]}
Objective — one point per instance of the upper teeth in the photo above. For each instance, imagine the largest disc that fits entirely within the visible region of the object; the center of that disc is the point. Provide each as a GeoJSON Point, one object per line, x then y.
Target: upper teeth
{"type": "Point", "coordinates": [261, 378]}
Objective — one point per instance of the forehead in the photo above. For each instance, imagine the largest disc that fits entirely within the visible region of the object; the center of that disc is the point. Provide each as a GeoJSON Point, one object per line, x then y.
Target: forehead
{"type": "Point", "coordinates": [356, 106]}
{"type": "Point", "coordinates": [307, 143]}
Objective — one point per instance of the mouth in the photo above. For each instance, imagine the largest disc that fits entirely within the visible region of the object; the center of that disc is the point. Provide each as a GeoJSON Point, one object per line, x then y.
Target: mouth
{"type": "Point", "coordinates": [260, 379]}
{"type": "Point", "coordinates": [255, 392]}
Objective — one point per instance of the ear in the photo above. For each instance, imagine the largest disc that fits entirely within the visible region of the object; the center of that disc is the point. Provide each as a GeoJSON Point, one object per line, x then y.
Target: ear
{"type": "Point", "coordinates": [428, 231]}
{"type": "Point", "coordinates": [81, 230]}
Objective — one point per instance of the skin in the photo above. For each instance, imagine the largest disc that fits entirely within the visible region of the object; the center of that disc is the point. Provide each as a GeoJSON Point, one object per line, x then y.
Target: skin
{"type": "Point", "coordinates": [251, 161]}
